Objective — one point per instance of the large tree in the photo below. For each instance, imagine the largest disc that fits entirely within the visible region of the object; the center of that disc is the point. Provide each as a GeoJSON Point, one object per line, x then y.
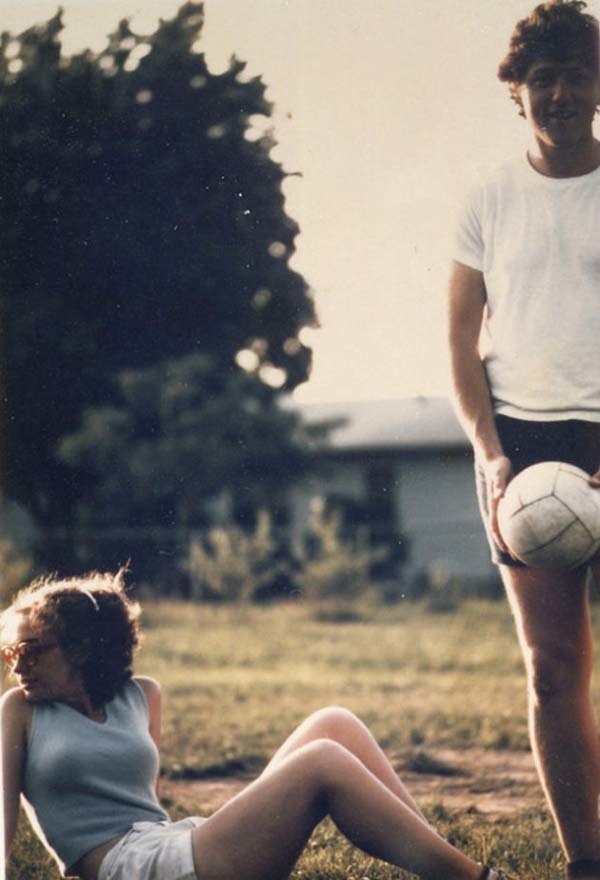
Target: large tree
{"type": "Point", "coordinates": [142, 222]}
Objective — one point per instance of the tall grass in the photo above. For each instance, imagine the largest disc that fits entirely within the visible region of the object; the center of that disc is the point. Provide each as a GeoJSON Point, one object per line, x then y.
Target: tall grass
{"type": "Point", "coordinates": [237, 679]}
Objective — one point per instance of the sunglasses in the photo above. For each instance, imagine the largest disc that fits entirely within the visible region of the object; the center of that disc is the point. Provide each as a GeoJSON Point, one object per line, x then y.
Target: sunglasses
{"type": "Point", "coordinates": [28, 652]}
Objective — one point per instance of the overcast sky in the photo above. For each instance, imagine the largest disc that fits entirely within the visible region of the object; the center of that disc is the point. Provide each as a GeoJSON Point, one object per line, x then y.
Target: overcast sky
{"type": "Point", "coordinates": [388, 108]}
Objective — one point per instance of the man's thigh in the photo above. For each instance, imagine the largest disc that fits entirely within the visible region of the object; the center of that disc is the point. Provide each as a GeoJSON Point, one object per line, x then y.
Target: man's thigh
{"type": "Point", "coordinates": [551, 612]}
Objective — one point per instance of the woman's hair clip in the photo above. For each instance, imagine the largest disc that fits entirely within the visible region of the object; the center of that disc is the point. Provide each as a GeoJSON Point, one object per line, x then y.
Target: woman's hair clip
{"type": "Point", "coordinates": [92, 598]}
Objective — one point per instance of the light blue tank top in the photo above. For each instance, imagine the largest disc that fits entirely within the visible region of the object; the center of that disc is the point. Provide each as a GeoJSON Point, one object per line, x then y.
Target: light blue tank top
{"type": "Point", "coordinates": [87, 782]}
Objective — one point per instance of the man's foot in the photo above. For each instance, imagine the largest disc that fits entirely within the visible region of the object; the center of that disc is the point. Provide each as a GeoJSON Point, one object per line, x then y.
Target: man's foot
{"type": "Point", "coordinates": [583, 869]}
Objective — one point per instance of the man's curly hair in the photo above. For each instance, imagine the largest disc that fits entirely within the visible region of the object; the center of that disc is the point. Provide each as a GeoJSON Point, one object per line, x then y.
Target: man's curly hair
{"type": "Point", "coordinates": [558, 30]}
{"type": "Point", "coordinates": [94, 622]}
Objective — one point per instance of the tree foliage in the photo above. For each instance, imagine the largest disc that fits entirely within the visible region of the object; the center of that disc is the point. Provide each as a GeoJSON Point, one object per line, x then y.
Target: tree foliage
{"type": "Point", "coordinates": [142, 223]}
{"type": "Point", "coordinates": [174, 446]}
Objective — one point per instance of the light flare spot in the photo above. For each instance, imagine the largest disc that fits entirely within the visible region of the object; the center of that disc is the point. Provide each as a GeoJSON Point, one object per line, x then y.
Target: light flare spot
{"type": "Point", "coordinates": [144, 96]}
{"type": "Point", "coordinates": [272, 376]}
{"type": "Point", "coordinates": [215, 132]}
{"type": "Point", "coordinates": [277, 249]}
{"type": "Point", "coordinates": [140, 52]}
{"type": "Point", "coordinates": [292, 346]}
{"type": "Point", "coordinates": [259, 346]}
{"type": "Point", "coordinates": [306, 335]}
{"type": "Point", "coordinates": [12, 49]}
{"type": "Point", "coordinates": [247, 360]}
{"type": "Point", "coordinates": [261, 297]}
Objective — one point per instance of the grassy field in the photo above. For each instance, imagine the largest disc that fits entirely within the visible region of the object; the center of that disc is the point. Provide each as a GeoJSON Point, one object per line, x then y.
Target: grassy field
{"type": "Point", "coordinates": [237, 679]}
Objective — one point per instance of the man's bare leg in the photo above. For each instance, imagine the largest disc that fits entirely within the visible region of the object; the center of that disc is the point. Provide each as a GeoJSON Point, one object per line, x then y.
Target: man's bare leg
{"type": "Point", "coordinates": [552, 616]}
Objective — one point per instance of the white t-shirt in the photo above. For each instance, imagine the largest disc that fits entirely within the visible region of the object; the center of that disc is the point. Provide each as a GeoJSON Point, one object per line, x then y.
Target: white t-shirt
{"type": "Point", "coordinates": [537, 241]}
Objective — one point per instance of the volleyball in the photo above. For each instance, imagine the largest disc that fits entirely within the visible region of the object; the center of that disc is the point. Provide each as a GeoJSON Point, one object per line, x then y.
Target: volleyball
{"type": "Point", "coordinates": [549, 516]}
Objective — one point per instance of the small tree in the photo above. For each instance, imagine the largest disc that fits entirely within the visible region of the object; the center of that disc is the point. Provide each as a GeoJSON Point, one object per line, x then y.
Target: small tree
{"type": "Point", "coordinates": [233, 565]}
{"type": "Point", "coordinates": [176, 442]}
{"type": "Point", "coordinates": [331, 566]}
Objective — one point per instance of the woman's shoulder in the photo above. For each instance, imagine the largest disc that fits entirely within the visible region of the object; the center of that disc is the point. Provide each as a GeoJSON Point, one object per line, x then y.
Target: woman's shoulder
{"type": "Point", "coordinates": [14, 700]}
{"type": "Point", "coordinates": [15, 709]}
{"type": "Point", "coordinates": [150, 688]}
{"type": "Point", "coordinates": [148, 685]}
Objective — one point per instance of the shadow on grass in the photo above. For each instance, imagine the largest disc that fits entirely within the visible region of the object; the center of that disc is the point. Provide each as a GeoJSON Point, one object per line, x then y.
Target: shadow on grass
{"type": "Point", "coordinates": [248, 765]}
{"type": "Point", "coordinates": [421, 762]}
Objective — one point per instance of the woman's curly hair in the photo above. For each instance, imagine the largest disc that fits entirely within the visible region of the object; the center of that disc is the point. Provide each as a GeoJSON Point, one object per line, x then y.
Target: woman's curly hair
{"type": "Point", "coordinates": [94, 622]}
{"type": "Point", "coordinates": [558, 30]}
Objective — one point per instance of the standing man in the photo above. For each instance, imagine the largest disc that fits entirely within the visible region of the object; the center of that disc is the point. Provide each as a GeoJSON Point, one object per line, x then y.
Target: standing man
{"type": "Point", "coordinates": [524, 328]}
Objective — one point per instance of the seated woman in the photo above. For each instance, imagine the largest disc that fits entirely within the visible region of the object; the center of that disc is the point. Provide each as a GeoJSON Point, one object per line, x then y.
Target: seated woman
{"type": "Point", "coordinates": [81, 736]}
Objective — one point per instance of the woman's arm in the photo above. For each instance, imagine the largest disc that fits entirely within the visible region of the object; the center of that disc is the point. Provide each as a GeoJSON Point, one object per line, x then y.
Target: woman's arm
{"type": "Point", "coordinates": [15, 713]}
{"type": "Point", "coordinates": [153, 693]}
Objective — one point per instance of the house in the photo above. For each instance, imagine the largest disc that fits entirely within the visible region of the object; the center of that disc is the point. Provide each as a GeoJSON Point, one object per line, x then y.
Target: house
{"type": "Point", "coordinates": [402, 472]}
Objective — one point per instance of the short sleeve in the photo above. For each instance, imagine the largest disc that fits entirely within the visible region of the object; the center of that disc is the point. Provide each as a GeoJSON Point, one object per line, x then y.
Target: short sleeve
{"type": "Point", "coordinates": [467, 244]}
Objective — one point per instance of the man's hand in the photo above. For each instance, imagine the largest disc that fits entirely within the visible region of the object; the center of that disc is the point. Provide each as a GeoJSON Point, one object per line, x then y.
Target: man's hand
{"type": "Point", "coordinates": [498, 473]}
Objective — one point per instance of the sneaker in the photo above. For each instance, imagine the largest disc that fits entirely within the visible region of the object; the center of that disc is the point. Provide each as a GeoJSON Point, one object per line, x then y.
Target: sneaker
{"type": "Point", "coordinates": [493, 874]}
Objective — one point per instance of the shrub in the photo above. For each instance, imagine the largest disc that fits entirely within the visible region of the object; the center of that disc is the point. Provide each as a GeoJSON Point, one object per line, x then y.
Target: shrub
{"type": "Point", "coordinates": [334, 567]}
{"type": "Point", "coordinates": [232, 565]}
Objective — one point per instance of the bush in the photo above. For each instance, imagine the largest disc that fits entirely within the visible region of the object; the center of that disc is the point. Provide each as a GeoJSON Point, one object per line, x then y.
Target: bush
{"type": "Point", "coordinates": [232, 565]}
{"type": "Point", "coordinates": [334, 567]}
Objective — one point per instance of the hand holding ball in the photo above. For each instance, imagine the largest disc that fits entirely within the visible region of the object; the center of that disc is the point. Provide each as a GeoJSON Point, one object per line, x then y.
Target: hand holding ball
{"type": "Point", "coordinates": [549, 516]}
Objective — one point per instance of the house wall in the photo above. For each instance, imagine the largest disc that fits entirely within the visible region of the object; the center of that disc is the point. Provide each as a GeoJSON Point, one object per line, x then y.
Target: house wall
{"type": "Point", "coordinates": [437, 512]}
{"type": "Point", "coordinates": [435, 509]}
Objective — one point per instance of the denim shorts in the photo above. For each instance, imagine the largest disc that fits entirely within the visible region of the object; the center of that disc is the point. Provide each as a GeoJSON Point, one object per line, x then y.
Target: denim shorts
{"type": "Point", "coordinates": [152, 851]}
{"type": "Point", "coordinates": [525, 443]}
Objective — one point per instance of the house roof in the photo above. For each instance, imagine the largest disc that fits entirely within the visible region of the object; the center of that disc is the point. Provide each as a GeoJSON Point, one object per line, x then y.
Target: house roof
{"type": "Point", "coordinates": [414, 423]}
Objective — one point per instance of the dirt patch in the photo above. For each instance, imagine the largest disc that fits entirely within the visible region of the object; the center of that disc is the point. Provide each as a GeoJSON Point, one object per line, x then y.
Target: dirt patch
{"type": "Point", "coordinates": [495, 783]}
{"type": "Point", "coordinates": [491, 782]}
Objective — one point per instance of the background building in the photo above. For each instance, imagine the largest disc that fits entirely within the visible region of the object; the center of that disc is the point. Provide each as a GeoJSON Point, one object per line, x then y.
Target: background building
{"type": "Point", "coordinates": [400, 471]}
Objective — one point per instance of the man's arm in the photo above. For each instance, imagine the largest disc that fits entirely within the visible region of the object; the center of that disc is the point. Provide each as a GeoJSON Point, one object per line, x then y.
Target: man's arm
{"type": "Point", "coordinates": [472, 400]}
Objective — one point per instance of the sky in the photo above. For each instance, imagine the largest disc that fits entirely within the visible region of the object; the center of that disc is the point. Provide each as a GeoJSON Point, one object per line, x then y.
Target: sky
{"type": "Point", "coordinates": [388, 109]}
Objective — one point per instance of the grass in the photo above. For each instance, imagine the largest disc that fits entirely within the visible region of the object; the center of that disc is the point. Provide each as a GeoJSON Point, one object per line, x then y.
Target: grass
{"type": "Point", "coordinates": [237, 679]}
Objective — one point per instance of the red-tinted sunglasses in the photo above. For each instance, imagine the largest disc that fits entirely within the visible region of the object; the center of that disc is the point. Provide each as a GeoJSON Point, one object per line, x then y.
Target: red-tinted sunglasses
{"type": "Point", "coordinates": [29, 652]}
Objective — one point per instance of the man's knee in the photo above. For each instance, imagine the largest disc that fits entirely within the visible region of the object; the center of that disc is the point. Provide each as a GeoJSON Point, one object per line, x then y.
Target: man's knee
{"type": "Point", "coordinates": [554, 673]}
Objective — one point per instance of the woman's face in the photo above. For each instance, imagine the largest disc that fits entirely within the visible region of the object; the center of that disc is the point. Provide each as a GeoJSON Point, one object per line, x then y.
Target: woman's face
{"type": "Point", "coordinates": [40, 666]}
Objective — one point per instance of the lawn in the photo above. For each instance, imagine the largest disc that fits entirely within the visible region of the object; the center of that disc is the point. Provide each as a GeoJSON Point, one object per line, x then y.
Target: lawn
{"type": "Point", "coordinates": [237, 679]}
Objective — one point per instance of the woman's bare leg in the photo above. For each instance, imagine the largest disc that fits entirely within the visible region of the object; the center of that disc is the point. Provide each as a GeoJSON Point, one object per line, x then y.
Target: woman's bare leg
{"type": "Point", "coordinates": [343, 727]}
{"type": "Point", "coordinates": [260, 834]}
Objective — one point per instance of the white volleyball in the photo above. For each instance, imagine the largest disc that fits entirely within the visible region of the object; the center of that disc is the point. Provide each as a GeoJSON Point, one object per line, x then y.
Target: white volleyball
{"type": "Point", "coordinates": [549, 516]}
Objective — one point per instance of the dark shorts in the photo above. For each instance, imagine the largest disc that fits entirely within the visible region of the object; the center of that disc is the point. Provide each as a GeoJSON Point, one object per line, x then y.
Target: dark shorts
{"type": "Point", "coordinates": [526, 443]}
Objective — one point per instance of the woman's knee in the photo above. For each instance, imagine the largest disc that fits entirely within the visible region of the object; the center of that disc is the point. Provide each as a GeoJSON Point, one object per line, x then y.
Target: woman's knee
{"type": "Point", "coordinates": [333, 722]}
{"type": "Point", "coordinates": [325, 759]}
